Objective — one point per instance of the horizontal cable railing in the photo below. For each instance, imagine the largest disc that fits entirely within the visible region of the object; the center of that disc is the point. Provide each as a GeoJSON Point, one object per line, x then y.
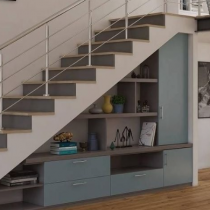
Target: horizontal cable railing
{"type": "Point", "coordinates": [90, 51]}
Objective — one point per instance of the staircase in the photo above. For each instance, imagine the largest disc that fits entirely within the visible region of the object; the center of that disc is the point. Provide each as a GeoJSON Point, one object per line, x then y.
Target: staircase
{"type": "Point", "coordinates": [36, 118]}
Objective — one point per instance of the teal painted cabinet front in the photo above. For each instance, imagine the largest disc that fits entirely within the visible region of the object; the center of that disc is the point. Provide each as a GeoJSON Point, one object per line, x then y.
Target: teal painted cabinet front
{"type": "Point", "coordinates": [173, 91]}
{"type": "Point", "coordinates": [178, 166]}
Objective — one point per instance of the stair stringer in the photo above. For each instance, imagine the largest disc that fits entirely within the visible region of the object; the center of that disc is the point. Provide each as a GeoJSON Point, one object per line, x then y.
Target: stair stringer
{"type": "Point", "coordinates": [20, 146]}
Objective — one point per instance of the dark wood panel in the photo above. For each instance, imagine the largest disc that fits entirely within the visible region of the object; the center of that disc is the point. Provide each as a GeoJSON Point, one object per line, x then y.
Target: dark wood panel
{"type": "Point", "coordinates": [46, 157]}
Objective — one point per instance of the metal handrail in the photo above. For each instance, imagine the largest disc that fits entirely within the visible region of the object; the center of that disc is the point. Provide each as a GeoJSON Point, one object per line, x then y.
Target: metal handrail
{"type": "Point", "coordinates": [64, 42]}
{"type": "Point", "coordinates": [66, 68]}
{"type": "Point", "coordinates": [88, 54]}
{"type": "Point", "coordinates": [44, 22]}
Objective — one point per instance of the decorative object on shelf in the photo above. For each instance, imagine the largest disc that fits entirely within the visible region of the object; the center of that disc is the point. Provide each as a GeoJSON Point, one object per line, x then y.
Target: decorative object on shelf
{"type": "Point", "coordinates": [64, 136]}
{"type": "Point", "coordinates": [145, 72]}
{"type": "Point", "coordinates": [147, 136]}
{"type": "Point", "coordinates": [145, 107]}
{"type": "Point", "coordinates": [107, 106]}
{"type": "Point", "coordinates": [133, 75]}
{"type": "Point", "coordinates": [95, 110]}
{"type": "Point", "coordinates": [19, 178]}
{"type": "Point", "coordinates": [138, 108]}
{"type": "Point", "coordinates": [126, 137]}
{"type": "Point", "coordinates": [83, 146]}
{"type": "Point", "coordinates": [63, 148]}
{"type": "Point", "coordinates": [117, 138]}
{"type": "Point", "coordinates": [118, 103]}
{"type": "Point", "coordinates": [93, 142]}
{"type": "Point", "coordinates": [112, 146]}
{"type": "Point", "coordinates": [203, 90]}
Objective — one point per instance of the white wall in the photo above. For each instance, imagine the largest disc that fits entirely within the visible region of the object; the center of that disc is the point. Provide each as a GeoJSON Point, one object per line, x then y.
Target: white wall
{"type": "Point", "coordinates": [204, 124]}
{"type": "Point", "coordinates": [16, 17]}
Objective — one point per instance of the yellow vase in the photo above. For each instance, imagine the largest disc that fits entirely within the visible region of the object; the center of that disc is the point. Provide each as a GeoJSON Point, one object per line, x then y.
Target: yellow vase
{"type": "Point", "coordinates": [107, 107]}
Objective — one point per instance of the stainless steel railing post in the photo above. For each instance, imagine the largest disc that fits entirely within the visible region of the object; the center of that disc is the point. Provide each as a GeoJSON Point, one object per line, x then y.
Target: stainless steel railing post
{"type": "Point", "coordinates": [126, 19]}
{"type": "Point", "coordinates": [90, 33]}
{"type": "Point", "coordinates": [1, 88]}
{"type": "Point", "coordinates": [47, 60]}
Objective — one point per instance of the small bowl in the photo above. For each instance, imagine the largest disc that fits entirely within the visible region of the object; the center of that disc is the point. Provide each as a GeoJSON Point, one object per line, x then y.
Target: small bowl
{"type": "Point", "coordinates": [83, 146]}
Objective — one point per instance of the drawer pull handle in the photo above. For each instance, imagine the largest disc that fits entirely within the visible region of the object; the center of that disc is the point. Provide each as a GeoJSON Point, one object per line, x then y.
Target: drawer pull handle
{"type": "Point", "coordinates": [80, 161]}
{"type": "Point", "coordinates": [80, 183]}
{"type": "Point", "coordinates": [140, 175]}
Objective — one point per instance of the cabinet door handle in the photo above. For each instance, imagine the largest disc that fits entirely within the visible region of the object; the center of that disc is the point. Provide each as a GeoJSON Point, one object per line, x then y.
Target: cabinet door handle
{"type": "Point", "coordinates": [166, 160]}
{"type": "Point", "coordinates": [161, 112]}
{"type": "Point", "coordinates": [79, 161]}
{"type": "Point", "coordinates": [140, 175]}
{"type": "Point", "coordinates": [79, 183]}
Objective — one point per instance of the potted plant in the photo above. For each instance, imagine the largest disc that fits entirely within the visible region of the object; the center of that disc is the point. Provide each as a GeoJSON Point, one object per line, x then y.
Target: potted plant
{"type": "Point", "coordinates": [118, 102]}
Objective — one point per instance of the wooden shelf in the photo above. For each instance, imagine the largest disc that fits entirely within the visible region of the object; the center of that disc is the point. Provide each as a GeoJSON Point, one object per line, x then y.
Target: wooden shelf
{"type": "Point", "coordinates": [39, 158]}
{"type": "Point", "coordinates": [130, 170]}
{"type": "Point", "coordinates": [20, 206]}
{"type": "Point", "coordinates": [139, 80]}
{"type": "Point", "coordinates": [6, 189]}
{"type": "Point", "coordinates": [123, 115]}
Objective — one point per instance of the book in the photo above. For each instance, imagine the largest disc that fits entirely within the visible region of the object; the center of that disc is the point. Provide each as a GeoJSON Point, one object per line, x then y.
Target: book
{"type": "Point", "coordinates": [70, 152]}
{"type": "Point", "coordinates": [63, 148]}
{"type": "Point", "coordinates": [147, 136]}
{"type": "Point", "coordinates": [20, 177]}
{"type": "Point", "coordinates": [63, 144]}
{"type": "Point", "coordinates": [18, 180]}
{"type": "Point", "coordinates": [18, 183]}
{"type": "Point", "coordinates": [21, 173]}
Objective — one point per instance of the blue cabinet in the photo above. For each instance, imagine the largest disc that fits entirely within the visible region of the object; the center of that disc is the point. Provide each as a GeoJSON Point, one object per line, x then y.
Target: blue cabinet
{"type": "Point", "coordinates": [136, 181]}
{"type": "Point", "coordinates": [178, 166]}
{"type": "Point", "coordinates": [173, 91]}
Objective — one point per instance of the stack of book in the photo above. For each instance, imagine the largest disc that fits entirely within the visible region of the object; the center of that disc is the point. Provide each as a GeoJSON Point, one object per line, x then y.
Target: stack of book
{"type": "Point", "coordinates": [63, 148]}
{"type": "Point", "coordinates": [19, 178]}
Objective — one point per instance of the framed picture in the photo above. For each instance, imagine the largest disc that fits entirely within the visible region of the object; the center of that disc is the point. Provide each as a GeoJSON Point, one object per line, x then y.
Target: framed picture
{"type": "Point", "coordinates": [203, 89]}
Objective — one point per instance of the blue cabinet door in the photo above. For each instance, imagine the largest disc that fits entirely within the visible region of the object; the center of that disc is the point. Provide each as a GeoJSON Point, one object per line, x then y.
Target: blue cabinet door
{"type": "Point", "coordinates": [178, 166]}
{"type": "Point", "coordinates": [173, 91]}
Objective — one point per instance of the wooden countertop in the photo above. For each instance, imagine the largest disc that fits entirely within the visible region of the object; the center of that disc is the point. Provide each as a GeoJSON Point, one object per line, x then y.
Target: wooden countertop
{"type": "Point", "coordinates": [39, 158]}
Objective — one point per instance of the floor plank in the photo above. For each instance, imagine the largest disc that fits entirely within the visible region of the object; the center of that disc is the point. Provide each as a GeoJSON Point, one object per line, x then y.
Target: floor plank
{"type": "Point", "coordinates": [182, 198]}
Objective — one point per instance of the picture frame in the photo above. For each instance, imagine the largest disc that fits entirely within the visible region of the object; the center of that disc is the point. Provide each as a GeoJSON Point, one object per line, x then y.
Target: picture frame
{"type": "Point", "coordinates": [203, 89]}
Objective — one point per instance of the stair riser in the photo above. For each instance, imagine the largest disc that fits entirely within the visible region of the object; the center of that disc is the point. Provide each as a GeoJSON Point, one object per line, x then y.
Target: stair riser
{"type": "Point", "coordinates": [3, 141]}
{"type": "Point", "coordinates": [204, 25]}
{"type": "Point", "coordinates": [54, 89]}
{"type": "Point", "coordinates": [71, 75]}
{"type": "Point", "coordinates": [154, 20]}
{"type": "Point", "coordinates": [17, 122]}
{"type": "Point", "coordinates": [133, 33]}
{"type": "Point", "coordinates": [30, 105]}
{"type": "Point", "coordinates": [126, 47]}
{"type": "Point", "coordinates": [100, 60]}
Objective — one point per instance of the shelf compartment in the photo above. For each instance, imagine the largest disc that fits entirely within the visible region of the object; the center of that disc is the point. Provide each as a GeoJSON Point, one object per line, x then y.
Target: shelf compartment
{"type": "Point", "coordinates": [125, 115]}
{"type": "Point", "coordinates": [20, 206]}
{"type": "Point", "coordinates": [136, 162]}
{"type": "Point", "coordinates": [137, 80]}
{"type": "Point", "coordinates": [6, 189]}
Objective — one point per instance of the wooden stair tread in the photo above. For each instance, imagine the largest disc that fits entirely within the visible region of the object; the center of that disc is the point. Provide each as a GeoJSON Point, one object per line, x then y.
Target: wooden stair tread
{"type": "Point", "coordinates": [3, 149]}
{"type": "Point", "coordinates": [134, 26]}
{"type": "Point", "coordinates": [60, 82]}
{"type": "Point", "coordinates": [116, 41]}
{"type": "Point", "coordinates": [11, 131]}
{"type": "Point", "coordinates": [28, 113]}
{"type": "Point", "coordinates": [79, 67]}
{"type": "Point", "coordinates": [202, 17]}
{"type": "Point", "coordinates": [152, 14]}
{"type": "Point", "coordinates": [96, 54]}
{"type": "Point", "coordinates": [40, 97]}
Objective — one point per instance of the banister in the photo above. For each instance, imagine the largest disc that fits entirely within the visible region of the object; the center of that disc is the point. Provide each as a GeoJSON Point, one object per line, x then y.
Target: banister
{"type": "Point", "coordinates": [42, 23]}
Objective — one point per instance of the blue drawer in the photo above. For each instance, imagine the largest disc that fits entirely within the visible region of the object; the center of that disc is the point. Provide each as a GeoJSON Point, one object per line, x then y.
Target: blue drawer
{"type": "Point", "coordinates": [137, 181]}
{"type": "Point", "coordinates": [67, 170]}
{"type": "Point", "coordinates": [66, 192]}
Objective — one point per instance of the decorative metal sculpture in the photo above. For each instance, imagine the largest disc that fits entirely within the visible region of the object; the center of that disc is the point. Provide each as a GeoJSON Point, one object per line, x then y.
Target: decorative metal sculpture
{"type": "Point", "coordinates": [64, 136]}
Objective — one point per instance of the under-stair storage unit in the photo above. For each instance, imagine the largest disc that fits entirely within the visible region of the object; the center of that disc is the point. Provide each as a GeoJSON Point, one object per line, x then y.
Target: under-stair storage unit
{"type": "Point", "coordinates": [132, 168]}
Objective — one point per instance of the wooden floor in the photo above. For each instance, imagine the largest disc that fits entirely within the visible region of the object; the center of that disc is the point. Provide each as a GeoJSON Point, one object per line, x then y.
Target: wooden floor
{"type": "Point", "coordinates": [183, 198]}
